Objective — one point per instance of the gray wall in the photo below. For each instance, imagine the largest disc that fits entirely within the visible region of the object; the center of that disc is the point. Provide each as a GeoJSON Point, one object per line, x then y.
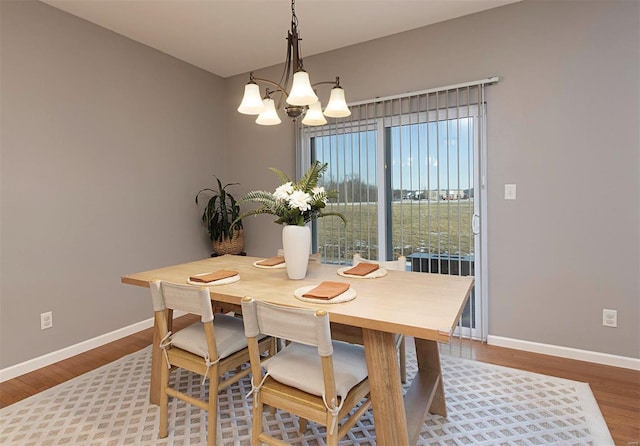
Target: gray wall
{"type": "Point", "coordinates": [104, 144]}
{"type": "Point", "coordinates": [105, 141]}
{"type": "Point", "coordinates": [563, 126]}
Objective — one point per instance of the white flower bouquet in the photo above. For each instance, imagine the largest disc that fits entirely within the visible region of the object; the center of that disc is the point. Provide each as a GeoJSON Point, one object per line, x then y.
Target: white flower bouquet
{"type": "Point", "coordinates": [295, 203]}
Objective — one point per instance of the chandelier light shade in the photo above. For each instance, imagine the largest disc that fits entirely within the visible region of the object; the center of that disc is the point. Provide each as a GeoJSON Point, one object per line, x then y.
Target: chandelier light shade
{"type": "Point", "coordinates": [251, 101]}
{"type": "Point", "coordinates": [337, 106]}
{"type": "Point", "coordinates": [314, 115]}
{"type": "Point", "coordinates": [269, 116]}
{"type": "Point", "coordinates": [298, 98]}
{"type": "Point", "coordinates": [301, 90]}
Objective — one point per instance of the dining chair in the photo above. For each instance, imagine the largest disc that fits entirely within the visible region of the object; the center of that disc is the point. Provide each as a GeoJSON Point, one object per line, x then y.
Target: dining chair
{"type": "Point", "coordinates": [211, 348]}
{"type": "Point", "coordinates": [313, 377]}
{"type": "Point", "coordinates": [398, 265]}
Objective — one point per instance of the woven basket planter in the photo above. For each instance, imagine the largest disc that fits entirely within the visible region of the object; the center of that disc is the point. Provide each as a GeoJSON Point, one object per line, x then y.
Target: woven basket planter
{"type": "Point", "coordinates": [234, 245]}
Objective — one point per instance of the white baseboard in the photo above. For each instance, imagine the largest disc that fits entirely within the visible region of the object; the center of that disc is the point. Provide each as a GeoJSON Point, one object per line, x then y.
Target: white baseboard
{"type": "Point", "coordinates": [67, 352]}
{"type": "Point", "coordinates": [499, 341]}
{"type": "Point", "coordinates": [566, 352]}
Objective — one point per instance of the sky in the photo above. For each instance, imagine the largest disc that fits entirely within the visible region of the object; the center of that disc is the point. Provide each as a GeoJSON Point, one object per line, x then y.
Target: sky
{"type": "Point", "coordinates": [434, 155]}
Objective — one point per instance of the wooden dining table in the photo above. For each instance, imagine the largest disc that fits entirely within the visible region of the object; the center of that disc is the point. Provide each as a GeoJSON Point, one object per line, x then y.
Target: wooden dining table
{"type": "Point", "coordinates": [424, 306]}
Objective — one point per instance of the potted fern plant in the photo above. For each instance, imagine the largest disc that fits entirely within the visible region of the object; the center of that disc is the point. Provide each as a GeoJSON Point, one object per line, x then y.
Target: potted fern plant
{"type": "Point", "coordinates": [221, 218]}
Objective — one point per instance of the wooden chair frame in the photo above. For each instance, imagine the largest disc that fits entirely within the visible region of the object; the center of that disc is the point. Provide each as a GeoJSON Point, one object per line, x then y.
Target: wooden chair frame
{"type": "Point", "coordinates": [177, 357]}
{"type": "Point", "coordinates": [295, 401]}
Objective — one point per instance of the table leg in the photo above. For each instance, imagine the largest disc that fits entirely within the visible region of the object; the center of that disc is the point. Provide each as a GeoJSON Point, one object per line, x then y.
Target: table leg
{"type": "Point", "coordinates": [426, 393]}
{"type": "Point", "coordinates": [386, 390]}
{"type": "Point", "coordinates": [428, 356]}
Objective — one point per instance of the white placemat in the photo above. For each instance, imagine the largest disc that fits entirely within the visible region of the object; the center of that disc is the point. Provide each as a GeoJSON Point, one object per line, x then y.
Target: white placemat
{"type": "Point", "coordinates": [348, 295]}
{"type": "Point", "coordinates": [278, 266]}
{"type": "Point", "coordinates": [380, 272]}
{"type": "Point", "coordinates": [225, 281]}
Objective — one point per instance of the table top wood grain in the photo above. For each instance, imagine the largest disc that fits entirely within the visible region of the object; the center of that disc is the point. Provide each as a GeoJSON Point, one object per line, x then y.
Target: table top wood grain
{"type": "Point", "coordinates": [421, 305]}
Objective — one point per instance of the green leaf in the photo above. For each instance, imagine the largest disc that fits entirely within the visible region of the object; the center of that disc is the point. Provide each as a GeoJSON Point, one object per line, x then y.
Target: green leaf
{"type": "Point", "coordinates": [310, 179]}
{"type": "Point", "coordinates": [284, 178]}
{"type": "Point", "coordinates": [333, 214]}
{"type": "Point", "coordinates": [220, 211]}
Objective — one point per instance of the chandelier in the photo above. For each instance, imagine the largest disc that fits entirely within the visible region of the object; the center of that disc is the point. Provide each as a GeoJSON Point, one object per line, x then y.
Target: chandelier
{"type": "Point", "coordinates": [300, 98]}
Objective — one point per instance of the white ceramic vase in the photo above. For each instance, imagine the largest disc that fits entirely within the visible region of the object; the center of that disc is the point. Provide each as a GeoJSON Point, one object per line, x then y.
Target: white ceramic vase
{"type": "Point", "coordinates": [296, 241]}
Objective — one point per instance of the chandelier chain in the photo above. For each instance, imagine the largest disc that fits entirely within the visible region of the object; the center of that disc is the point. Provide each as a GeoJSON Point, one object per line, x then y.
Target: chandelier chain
{"type": "Point", "coordinates": [294, 17]}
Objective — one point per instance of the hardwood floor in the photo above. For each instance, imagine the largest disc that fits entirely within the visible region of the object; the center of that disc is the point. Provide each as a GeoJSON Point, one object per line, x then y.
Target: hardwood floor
{"type": "Point", "coordinates": [617, 390]}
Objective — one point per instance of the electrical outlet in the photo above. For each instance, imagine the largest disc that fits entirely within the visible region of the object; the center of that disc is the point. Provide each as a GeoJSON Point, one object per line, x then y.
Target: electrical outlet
{"type": "Point", "coordinates": [609, 318]}
{"type": "Point", "coordinates": [46, 320]}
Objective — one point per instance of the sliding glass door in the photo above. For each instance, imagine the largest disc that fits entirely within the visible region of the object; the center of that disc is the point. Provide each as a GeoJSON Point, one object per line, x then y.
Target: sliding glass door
{"type": "Point", "coordinates": [408, 172]}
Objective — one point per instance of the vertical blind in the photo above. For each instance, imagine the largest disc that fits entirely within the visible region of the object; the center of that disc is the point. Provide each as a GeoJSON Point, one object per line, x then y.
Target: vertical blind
{"type": "Point", "coordinates": [407, 169]}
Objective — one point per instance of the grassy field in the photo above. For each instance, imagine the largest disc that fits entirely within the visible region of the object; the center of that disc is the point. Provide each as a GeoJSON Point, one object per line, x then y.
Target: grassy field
{"type": "Point", "coordinates": [417, 226]}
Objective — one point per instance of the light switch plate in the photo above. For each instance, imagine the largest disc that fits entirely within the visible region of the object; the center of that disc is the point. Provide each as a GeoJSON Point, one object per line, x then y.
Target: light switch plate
{"type": "Point", "coordinates": [509, 191]}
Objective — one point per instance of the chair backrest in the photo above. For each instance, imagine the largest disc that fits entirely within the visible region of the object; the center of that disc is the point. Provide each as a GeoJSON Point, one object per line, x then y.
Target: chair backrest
{"type": "Point", "coordinates": [195, 300]}
{"type": "Point", "coordinates": [300, 325]}
{"type": "Point", "coordinates": [398, 265]}
{"type": "Point", "coordinates": [305, 326]}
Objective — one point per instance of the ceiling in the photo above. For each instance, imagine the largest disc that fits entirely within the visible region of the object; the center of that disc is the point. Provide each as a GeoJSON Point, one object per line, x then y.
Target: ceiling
{"type": "Point", "coordinates": [229, 37]}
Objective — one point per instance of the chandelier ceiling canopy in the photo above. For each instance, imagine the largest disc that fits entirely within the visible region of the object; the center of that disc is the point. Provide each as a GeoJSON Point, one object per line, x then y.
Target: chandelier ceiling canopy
{"type": "Point", "coordinates": [301, 97]}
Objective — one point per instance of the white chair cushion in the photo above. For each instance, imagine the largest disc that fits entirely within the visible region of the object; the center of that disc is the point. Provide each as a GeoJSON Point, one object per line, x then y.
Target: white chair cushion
{"type": "Point", "coordinates": [229, 332]}
{"type": "Point", "coordinates": [299, 366]}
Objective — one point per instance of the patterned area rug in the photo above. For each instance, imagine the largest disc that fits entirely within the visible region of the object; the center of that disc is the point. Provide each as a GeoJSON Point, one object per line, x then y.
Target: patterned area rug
{"type": "Point", "coordinates": [487, 404]}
